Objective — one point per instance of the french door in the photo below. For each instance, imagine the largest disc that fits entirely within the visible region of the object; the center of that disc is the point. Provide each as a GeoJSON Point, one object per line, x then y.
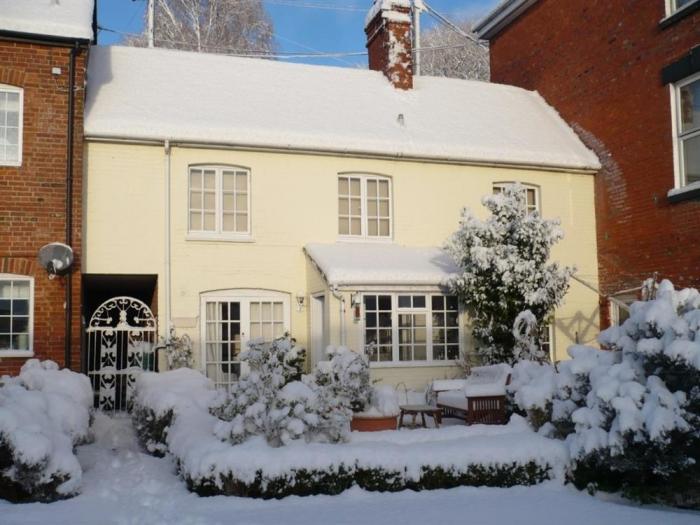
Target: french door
{"type": "Point", "coordinates": [230, 320]}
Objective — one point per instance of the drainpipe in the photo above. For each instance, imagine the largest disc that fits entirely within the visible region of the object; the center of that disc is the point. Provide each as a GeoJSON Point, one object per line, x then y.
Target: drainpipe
{"type": "Point", "coordinates": [166, 276]}
{"type": "Point", "coordinates": [341, 298]}
{"type": "Point", "coordinates": [69, 206]}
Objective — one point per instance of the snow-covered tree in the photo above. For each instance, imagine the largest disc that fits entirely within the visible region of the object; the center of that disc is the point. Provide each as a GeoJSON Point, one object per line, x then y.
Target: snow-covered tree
{"type": "Point", "coordinates": [346, 375]}
{"type": "Point", "coordinates": [211, 26]}
{"type": "Point", "coordinates": [178, 351]}
{"type": "Point", "coordinates": [505, 270]}
{"type": "Point", "coordinates": [630, 414]}
{"type": "Point", "coordinates": [453, 55]}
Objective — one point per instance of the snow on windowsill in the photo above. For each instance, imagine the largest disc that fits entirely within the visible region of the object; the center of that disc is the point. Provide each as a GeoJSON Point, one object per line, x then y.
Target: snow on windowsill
{"type": "Point", "coordinates": [412, 364]}
{"type": "Point", "coordinates": [16, 353]}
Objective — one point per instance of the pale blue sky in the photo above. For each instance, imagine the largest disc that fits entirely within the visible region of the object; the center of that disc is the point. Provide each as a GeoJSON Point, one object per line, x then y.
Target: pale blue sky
{"type": "Point", "coordinates": [297, 28]}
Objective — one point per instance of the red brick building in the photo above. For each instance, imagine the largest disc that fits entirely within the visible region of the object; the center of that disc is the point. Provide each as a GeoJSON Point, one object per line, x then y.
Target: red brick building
{"type": "Point", "coordinates": [43, 58]}
{"type": "Point", "coordinates": [626, 75]}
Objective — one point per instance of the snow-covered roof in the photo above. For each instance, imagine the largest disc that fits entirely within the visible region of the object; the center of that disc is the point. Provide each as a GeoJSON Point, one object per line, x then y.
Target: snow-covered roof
{"type": "Point", "coordinates": [352, 263]}
{"type": "Point", "coordinates": [158, 94]}
{"type": "Point", "coordinates": [56, 18]}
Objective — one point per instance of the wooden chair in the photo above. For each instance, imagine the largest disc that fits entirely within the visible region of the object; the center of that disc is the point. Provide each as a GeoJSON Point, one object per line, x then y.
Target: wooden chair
{"type": "Point", "coordinates": [480, 398]}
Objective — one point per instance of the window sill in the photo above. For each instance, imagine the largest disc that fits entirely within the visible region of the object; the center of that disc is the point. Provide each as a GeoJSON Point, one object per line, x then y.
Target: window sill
{"type": "Point", "coordinates": [215, 237]}
{"type": "Point", "coordinates": [361, 239]}
{"type": "Point", "coordinates": [686, 193]}
{"type": "Point", "coordinates": [16, 353]}
{"type": "Point", "coordinates": [679, 14]}
{"type": "Point", "coordinates": [6, 164]}
{"type": "Point", "coordinates": [408, 364]}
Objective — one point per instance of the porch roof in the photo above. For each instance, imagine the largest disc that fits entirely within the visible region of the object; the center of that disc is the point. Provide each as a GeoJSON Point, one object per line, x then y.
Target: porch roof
{"type": "Point", "coordinates": [353, 263]}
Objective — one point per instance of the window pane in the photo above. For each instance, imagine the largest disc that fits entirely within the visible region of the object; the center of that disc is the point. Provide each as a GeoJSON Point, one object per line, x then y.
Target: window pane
{"type": "Point", "coordinates": [419, 353]}
{"type": "Point", "coordinates": [438, 302]}
{"type": "Point", "coordinates": [5, 341]}
{"type": "Point", "coordinates": [196, 200]}
{"type": "Point", "coordinates": [531, 197]}
{"type": "Point", "coordinates": [404, 301]}
{"type": "Point", "coordinates": [372, 227]}
{"type": "Point", "coordinates": [20, 290]}
{"type": "Point", "coordinates": [383, 208]}
{"type": "Point", "coordinates": [277, 312]}
{"type": "Point", "coordinates": [418, 301]}
{"type": "Point", "coordinates": [405, 320]}
{"type": "Point", "coordinates": [209, 180]}
{"type": "Point", "coordinates": [384, 337]}
{"type": "Point", "coordinates": [266, 311]}
{"type": "Point", "coordinates": [228, 202]}
{"type": "Point", "coordinates": [242, 202]}
{"type": "Point", "coordinates": [371, 208]}
{"type": "Point", "coordinates": [691, 159]}
{"type": "Point", "coordinates": [355, 187]}
{"type": "Point", "coordinates": [195, 179]}
{"type": "Point", "coordinates": [690, 106]}
{"type": "Point", "coordinates": [355, 206]}
{"type": "Point", "coordinates": [5, 307]}
{"type": "Point", "coordinates": [229, 222]}
{"type": "Point", "coordinates": [370, 302]}
{"type": "Point", "coordinates": [20, 324]}
{"type": "Point", "coordinates": [343, 206]}
{"type": "Point", "coordinates": [242, 222]}
{"type": "Point", "coordinates": [20, 307]}
{"type": "Point", "coordinates": [371, 188]}
{"type": "Point", "coordinates": [5, 325]}
{"type": "Point", "coordinates": [452, 302]}
{"type": "Point", "coordinates": [384, 228]}
{"type": "Point", "coordinates": [254, 311]}
{"type": "Point", "coordinates": [241, 181]}
{"type": "Point", "coordinates": [385, 319]}
{"type": "Point", "coordinates": [355, 227]}
{"type": "Point", "coordinates": [209, 222]}
{"type": "Point", "coordinates": [344, 226]}
{"type": "Point", "coordinates": [343, 186]}
{"type": "Point", "coordinates": [384, 302]}
{"type": "Point", "coordinates": [227, 180]}
{"type": "Point", "coordinates": [20, 342]}
{"type": "Point", "coordinates": [384, 188]}
{"type": "Point", "coordinates": [385, 353]}
{"type": "Point", "coordinates": [370, 319]}
{"type": "Point", "coordinates": [209, 201]}
{"type": "Point", "coordinates": [195, 221]}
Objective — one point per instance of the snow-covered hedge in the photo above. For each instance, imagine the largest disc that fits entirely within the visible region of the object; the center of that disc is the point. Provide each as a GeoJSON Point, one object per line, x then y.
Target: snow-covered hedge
{"type": "Point", "coordinates": [44, 413]}
{"type": "Point", "coordinates": [630, 415]}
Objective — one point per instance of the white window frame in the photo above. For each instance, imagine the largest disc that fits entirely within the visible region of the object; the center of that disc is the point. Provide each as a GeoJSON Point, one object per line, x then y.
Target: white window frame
{"type": "Point", "coordinates": [526, 186]}
{"type": "Point", "coordinates": [364, 237]}
{"type": "Point", "coordinates": [30, 280]}
{"type": "Point", "coordinates": [244, 297]}
{"type": "Point", "coordinates": [678, 136]}
{"type": "Point", "coordinates": [550, 334]}
{"type": "Point", "coordinates": [20, 122]}
{"type": "Point", "coordinates": [218, 234]}
{"type": "Point", "coordinates": [672, 6]}
{"type": "Point", "coordinates": [395, 312]}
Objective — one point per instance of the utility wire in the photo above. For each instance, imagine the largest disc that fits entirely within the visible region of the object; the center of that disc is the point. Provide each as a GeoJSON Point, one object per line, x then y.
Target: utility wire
{"type": "Point", "coordinates": [442, 19]}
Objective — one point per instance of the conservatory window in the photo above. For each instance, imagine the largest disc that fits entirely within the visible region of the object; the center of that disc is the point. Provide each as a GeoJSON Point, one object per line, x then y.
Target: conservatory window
{"type": "Point", "coordinates": [411, 328]}
{"type": "Point", "coordinates": [10, 125]}
{"type": "Point", "coordinates": [364, 206]}
{"type": "Point", "coordinates": [687, 117]}
{"type": "Point", "coordinates": [219, 201]}
{"type": "Point", "coordinates": [532, 195]}
{"type": "Point", "coordinates": [16, 315]}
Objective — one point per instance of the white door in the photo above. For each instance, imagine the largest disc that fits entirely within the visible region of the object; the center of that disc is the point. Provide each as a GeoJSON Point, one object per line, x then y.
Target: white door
{"type": "Point", "coordinates": [230, 320]}
{"type": "Point", "coordinates": [318, 328]}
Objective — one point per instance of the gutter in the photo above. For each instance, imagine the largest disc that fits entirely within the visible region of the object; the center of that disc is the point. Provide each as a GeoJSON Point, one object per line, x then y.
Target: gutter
{"type": "Point", "coordinates": [359, 154]}
{"type": "Point", "coordinates": [501, 17]}
{"type": "Point", "coordinates": [37, 38]}
{"type": "Point", "coordinates": [67, 354]}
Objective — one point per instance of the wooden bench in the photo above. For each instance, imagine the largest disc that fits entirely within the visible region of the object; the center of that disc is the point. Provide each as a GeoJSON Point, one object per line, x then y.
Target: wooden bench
{"type": "Point", "coordinates": [480, 398]}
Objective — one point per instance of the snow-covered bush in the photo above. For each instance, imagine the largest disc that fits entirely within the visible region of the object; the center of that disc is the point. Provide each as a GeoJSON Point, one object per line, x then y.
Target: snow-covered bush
{"type": "Point", "coordinates": [505, 270]}
{"type": "Point", "coordinates": [178, 351]}
{"type": "Point", "coordinates": [346, 375]}
{"type": "Point", "coordinates": [160, 397]}
{"type": "Point", "coordinates": [385, 400]}
{"type": "Point", "coordinates": [630, 414]}
{"type": "Point", "coordinates": [44, 413]}
{"type": "Point", "coordinates": [532, 390]}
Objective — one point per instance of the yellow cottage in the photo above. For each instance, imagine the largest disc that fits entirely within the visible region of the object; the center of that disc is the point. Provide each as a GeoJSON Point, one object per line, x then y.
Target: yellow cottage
{"type": "Point", "coordinates": [242, 198]}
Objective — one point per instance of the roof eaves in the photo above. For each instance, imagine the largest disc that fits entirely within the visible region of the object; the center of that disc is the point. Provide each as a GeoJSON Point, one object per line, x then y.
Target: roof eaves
{"type": "Point", "coordinates": [502, 16]}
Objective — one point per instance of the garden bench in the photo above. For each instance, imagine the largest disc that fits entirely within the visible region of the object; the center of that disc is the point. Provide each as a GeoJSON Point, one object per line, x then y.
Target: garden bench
{"type": "Point", "coordinates": [480, 398]}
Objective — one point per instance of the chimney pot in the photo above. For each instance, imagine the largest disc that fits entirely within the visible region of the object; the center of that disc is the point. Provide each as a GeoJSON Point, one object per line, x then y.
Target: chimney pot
{"type": "Point", "coordinates": [389, 41]}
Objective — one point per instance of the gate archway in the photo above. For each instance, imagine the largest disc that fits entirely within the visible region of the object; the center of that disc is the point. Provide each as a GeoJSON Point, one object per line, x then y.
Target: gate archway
{"type": "Point", "coordinates": [121, 336]}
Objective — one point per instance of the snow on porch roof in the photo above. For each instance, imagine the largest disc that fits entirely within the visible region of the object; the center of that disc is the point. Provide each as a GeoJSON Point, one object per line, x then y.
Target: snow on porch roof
{"type": "Point", "coordinates": [64, 19]}
{"type": "Point", "coordinates": [159, 94]}
{"type": "Point", "coordinates": [352, 263]}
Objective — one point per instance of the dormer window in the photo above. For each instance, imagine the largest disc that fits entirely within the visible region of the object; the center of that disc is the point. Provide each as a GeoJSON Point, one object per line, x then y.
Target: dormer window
{"type": "Point", "coordinates": [10, 125]}
{"type": "Point", "coordinates": [364, 206]}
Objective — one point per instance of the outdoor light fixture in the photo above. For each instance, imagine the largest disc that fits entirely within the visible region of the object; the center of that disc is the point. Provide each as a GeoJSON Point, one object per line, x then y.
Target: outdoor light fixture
{"type": "Point", "coordinates": [300, 301]}
{"type": "Point", "coordinates": [356, 301]}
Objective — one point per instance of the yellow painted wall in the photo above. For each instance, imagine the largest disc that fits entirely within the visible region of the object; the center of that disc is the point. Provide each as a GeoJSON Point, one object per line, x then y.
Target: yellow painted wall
{"type": "Point", "coordinates": [294, 202]}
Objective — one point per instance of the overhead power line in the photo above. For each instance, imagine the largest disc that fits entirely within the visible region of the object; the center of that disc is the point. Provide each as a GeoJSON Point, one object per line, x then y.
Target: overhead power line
{"type": "Point", "coordinates": [446, 22]}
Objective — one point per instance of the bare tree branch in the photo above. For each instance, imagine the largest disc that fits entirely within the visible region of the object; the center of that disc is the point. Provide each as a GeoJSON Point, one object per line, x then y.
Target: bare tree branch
{"type": "Point", "coordinates": [462, 58]}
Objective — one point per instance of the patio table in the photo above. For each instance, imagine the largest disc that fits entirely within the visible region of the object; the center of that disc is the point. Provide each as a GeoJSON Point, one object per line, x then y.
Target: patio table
{"type": "Point", "coordinates": [422, 411]}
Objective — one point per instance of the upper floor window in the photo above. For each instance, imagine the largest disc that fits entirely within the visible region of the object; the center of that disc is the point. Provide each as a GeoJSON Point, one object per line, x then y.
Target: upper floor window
{"type": "Point", "coordinates": [364, 206]}
{"type": "Point", "coordinates": [219, 201]}
{"type": "Point", "coordinates": [675, 5]}
{"type": "Point", "coordinates": [10, 125]}
{"type": "Point", "coordinates": [687, 109]}
{"type": "Point", "coordinates": [16, 312]}
{"type": "Point", "coordinates": [532, 195]}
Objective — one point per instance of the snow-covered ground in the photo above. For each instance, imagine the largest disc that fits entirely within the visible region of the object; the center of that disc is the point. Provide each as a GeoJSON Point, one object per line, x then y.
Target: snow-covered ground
{"type": "Point", "coordinates": [121, 485]}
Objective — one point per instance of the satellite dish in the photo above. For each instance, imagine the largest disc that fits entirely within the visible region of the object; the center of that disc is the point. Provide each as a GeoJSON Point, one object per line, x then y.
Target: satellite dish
{"type": "Point", "coordinates": [56, 258]}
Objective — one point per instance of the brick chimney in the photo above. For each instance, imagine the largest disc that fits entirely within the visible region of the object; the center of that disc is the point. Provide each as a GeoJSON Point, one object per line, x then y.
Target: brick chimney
{"type": "Point", "coordinates": [389, 42]}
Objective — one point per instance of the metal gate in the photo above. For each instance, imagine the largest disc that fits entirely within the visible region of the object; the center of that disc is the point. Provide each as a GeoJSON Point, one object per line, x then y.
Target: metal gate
{"type": "Point", "coordinates": [121, 337]}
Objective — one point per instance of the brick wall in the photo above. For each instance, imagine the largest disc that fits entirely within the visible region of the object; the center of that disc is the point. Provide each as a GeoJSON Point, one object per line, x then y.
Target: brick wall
{"type": "Point", "coordinates": [33, 195]}
{"type": "Point", "coordinates": [599, 64]}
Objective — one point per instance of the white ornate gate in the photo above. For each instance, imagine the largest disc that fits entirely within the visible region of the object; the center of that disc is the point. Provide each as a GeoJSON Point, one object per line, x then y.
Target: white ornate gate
{"type": "Point", "coordinates": [120, 344]}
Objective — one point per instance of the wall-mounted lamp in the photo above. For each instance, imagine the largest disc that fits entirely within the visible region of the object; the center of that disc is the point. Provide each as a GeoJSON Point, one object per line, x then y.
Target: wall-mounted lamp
{"type": "Point", "coordinates": [301, 298]}
{"type": "Point", "coordinates": [356, 301]}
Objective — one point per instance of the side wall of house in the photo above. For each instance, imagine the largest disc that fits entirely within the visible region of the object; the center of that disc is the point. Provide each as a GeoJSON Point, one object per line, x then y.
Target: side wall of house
{"type": "Point", "coordinates": [33, 195]}
{"type": "Point", "coordinates": [599, 64]}
{"type": "Point", "coordinates": [294, 202]}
